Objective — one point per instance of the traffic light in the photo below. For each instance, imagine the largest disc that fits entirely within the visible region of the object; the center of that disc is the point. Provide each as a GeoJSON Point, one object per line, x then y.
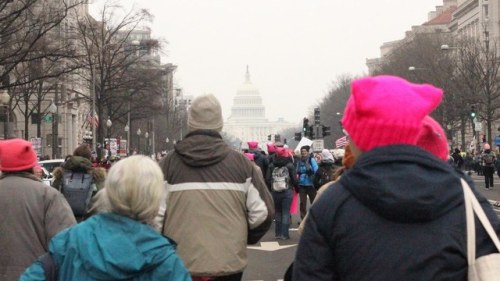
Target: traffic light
{"type": "Point", "coordinates": [268, 137]}
{"type": "Point", "coordinates": [298, 136]}
{"type": "Point", "coordinates": [305, 126]}
{"type": "Point", "coordinates": [277, 138]}
{"type": "Point", "coordinates": [317, 119]}
{"type": "Point", "coordinates": [472, 112]}
{"type": "Point", "coordinates": [311, 132]}
{"type": "Point", "coordinates": [326, 131]}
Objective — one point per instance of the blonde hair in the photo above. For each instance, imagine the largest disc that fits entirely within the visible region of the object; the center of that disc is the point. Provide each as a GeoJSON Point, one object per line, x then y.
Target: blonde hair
{"type": "Point", "coordinates": [134, 188]}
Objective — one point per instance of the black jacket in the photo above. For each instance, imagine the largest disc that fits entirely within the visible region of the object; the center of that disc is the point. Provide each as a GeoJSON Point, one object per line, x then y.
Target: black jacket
{"type": "Point", "coordinates": [397, 214]}
{"type": "Point", "coordinates": [280, 162]}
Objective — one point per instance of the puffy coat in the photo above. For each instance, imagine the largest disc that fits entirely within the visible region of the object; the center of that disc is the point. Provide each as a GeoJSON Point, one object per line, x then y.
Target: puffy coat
{"type": "Point", "coordinates": [108, 246]}
{"type": "Point", "coordinates": [397, 214]}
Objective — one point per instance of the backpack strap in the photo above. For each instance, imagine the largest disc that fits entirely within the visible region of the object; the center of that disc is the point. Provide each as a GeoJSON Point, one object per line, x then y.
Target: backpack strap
{"type": "Point", "coordinates": [49, 267]}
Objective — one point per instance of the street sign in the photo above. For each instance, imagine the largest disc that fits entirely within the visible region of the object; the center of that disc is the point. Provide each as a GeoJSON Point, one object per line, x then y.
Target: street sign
{"type": "Point", "coordinates": [47, 118]}
{"type": "Point", "coordinates": [478, 126]}
{"type": "Point", "coordinates": [318, 145]}
{"type": "Point", "coordinates": [37, 146]}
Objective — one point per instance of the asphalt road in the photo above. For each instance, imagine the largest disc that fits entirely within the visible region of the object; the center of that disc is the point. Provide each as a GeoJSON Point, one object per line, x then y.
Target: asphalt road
{"type": "Point", "coordinates": [269, 259]}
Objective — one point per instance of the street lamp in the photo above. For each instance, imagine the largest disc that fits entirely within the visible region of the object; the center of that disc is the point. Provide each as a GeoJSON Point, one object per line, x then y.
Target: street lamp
{"type": "Point", "coordinates": [108, 124]}
{"type": "Point", "coordinates": [55, 134]}
{"type": "Point", "coordinates": [127, 132]}
{"type": "Point", "coordinates": [4, 100]}
{"type": "Point", "coordinates": [139, 140]}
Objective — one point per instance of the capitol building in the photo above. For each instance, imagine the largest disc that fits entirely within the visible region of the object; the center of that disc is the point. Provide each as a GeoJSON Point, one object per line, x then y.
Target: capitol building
{"type": "Point", "coordinates": [247, 121]}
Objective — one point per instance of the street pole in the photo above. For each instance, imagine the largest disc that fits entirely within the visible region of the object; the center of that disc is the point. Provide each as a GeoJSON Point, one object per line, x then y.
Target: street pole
{"type": "Point", "coordinates": [129, 128]}
{"type": "Point", "coordinates": [94, 144]}
{"type": "Point", "coordinates": [55, 133]}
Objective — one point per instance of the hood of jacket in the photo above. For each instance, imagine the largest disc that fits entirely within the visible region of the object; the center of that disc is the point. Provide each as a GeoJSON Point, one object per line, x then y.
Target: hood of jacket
{"type": "Point", "coordinates": [112, 247]}
{"type": "Point", "coordinates": [326, 163]}
{"type": "Point", "coordinates": [281, 161]}
{"type": "Point", "coordinates": [404, 183]}
{"type": "Point", "coordinates": [77, 163]}
{"type": "Point", "coordinates": [202, 148]}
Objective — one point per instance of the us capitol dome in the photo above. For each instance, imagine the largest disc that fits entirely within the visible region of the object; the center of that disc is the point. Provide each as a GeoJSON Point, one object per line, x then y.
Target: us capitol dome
{"type": "Point", "coordinates": [248, 121]}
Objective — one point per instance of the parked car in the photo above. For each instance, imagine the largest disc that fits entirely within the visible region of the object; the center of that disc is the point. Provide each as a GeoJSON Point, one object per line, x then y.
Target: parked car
{"type": "Point", "coordinates": [47, 178]}
{"type": "Point", "coordinates": [50, 165]}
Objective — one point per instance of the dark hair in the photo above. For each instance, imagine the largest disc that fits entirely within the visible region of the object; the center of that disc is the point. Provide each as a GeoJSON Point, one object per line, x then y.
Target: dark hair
{"type": "Point", "coordinates": [83, 151]}
{"type": "Point", "coordinates": [306, 147]}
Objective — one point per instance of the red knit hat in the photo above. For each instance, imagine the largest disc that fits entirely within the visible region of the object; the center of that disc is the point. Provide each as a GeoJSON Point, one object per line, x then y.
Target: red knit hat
{"type": "Point", "coordinates": [271, 147]}
{"type": "Point", "coordinates": [385, 110]}
{"type": "Point", "coordinates": [433, 139]}
{"type": "Point", "coordinates": [252, 144]}
{"type": "Point", "coordinates": [16, 155]}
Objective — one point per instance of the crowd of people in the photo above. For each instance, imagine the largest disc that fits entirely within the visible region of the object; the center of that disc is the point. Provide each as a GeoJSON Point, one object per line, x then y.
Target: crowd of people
{"type": "Point", "coordinates": [191, 215]}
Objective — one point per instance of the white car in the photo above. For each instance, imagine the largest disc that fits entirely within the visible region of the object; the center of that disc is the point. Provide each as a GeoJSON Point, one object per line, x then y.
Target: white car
{"type": "Point", "coordinates": [48, 167]}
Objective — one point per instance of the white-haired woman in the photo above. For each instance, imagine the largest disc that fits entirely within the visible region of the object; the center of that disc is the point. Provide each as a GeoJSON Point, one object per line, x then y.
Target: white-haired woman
{"type": "Point", "coordinates": [118, 244]}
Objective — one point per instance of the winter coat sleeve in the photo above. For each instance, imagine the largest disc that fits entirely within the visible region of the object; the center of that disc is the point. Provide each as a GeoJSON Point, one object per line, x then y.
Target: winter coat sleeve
{"type": "Point", "coordinates": [260, 207]}
{"type": "Point", "coordinates": [269, 176]}
{"type": "Point", "coordinates": [58, 216]}
{"type": "Point", "coordinates": [293, 175]}
{"type": "Point", "coordinates": [484, 245]}
{"type": "Point", "coordinates": [314, 257]}
{"type": "Point", "coordinates": [33, 273]}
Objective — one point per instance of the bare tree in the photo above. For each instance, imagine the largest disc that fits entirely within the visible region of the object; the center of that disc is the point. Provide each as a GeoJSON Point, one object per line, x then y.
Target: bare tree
{"type": "Point", "coordinates": [122, 81]}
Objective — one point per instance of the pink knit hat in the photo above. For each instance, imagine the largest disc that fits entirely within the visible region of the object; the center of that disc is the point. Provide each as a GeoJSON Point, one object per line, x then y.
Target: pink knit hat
{"type": "Point", "coordinates": [271, 147]}
{"type": "Point", "coordinates": [282, 152]}
{"type": "Point", "coordinates": [16, 155]}
{"type": "Point", "coordinates": [433, 139]}
{"type": "Point", "coordinates": [385, 110]}
{"type": "Point", "coordinates": [252, 144]}
{"type": "Point", "coordinates": [250, 156]}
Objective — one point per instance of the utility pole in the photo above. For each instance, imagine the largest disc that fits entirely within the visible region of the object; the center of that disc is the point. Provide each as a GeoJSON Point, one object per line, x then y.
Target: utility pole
{"type": "Point", "coordinates": [55, 125]}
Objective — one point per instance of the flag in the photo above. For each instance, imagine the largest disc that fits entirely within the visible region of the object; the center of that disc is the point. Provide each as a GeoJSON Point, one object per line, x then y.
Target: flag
{"type": "Point", "coordinates": [93, 119]}
{"type": "Point", "coordinates": [341, 142]}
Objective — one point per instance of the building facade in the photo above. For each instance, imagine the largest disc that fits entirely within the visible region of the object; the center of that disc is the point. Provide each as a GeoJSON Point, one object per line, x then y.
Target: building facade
{"type": "Point", "coordinates": [248, 121]}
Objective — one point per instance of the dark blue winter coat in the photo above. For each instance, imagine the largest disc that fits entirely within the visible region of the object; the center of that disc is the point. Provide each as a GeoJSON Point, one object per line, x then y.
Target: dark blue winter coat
{"type": "Point", "coordinates": [398, 214]}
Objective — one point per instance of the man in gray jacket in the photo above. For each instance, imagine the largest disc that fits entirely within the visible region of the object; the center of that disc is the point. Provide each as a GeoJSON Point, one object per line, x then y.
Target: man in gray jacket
{"type": "Point", "coordinates": [216, 200]}
{"type": "Point", "coordinates": [32, 212]}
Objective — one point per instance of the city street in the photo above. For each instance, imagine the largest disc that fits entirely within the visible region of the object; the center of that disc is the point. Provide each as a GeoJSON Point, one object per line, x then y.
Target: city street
{"type": "Point", "coordinates": [269, 259]}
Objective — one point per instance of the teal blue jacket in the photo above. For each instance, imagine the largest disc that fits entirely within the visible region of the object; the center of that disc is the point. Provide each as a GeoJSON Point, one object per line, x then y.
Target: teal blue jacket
{"type": "Point", "coordinates": [111, 247]}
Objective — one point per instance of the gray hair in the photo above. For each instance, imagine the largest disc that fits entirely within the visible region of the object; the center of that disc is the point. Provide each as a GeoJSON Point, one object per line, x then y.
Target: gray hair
{"type": "Point", "coordinates": [134, 188]}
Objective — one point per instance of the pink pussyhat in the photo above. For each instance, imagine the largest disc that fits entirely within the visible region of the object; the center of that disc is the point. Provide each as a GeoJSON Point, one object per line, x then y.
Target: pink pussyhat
{"type": "Point", "coordinates": [386, 110]}
{"type": "Point", "coordinates": [433, 139]}
{"type": "Point", "coordinates": [252, 144]}
{"type": "Point", "coordinates": [250, 156]}
{"type": "Point", "coordinates": [271, 147]}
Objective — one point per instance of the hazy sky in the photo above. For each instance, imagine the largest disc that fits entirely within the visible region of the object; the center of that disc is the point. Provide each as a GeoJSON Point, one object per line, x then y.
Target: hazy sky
{"type": "Point", "coordinates": [295, 48]}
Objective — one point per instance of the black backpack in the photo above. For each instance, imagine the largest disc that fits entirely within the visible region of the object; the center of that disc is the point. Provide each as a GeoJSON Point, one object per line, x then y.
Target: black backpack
{"type": "Point", "coordinates": [323, 175]}
{"type": "Point", "coordinates": [77, 188]}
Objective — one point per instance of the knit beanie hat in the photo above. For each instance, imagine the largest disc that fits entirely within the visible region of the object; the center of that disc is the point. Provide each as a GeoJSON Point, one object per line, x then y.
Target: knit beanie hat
{"type": "Point", "coordinates": [326, 154]}
{"type": "Point", "coordinates": [271, 147]}
{"type": "Point", "coordinates": [250, 156]}
{"type": "Point", "coordinates": [205, 113]}
{"type": "Point", "coordinates": [252, 144]}
{"type": "Point", "coordinates": [385, 110]}
{"type": "Point", "coordinates": [282, 152]}
{"type": "Point", "coordinates": [348, 160]}
{"type": "Point", "coordinates": [433, 139]}
{"type": "Point", "coordinates": [16, 155]}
